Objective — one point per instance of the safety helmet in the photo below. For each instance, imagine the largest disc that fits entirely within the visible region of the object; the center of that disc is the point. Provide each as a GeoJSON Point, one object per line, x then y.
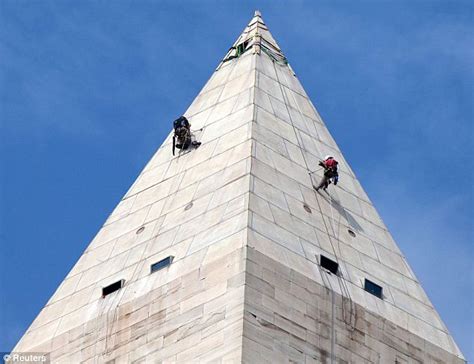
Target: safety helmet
{"type": "Point", "coordinates": [328, 157]}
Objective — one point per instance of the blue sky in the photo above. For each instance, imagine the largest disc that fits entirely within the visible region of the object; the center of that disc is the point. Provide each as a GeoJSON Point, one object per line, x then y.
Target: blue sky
{"type": "Point", "coordinates": [88, 90]}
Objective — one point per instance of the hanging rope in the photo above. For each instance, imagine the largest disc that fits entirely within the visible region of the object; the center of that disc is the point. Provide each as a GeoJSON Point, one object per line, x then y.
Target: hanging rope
{"type": "Point", "coordinates": [138, 267]}
{"type": "Point", "coordinates": [109, 324]}
{"type": "Point", "coordinates": [342, 283]}
{"type": "Point", "coordinates": [276, 57]}
{"type": "Point", "coordinates": [96, 327]}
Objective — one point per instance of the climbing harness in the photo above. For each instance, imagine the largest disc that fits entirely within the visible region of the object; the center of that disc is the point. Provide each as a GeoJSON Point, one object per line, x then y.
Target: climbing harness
{"type": "Point", "coordinates": [330, 176]}
{"type": "Point", "coordinates": [183, 138]}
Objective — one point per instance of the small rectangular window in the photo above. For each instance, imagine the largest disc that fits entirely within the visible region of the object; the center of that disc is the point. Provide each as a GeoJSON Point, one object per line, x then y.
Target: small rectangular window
{"type": "Point", "coordinates": [373, 288]}
{"type": "Point", "coordinates": [161, 264]}
{"type": "Point", "coordinates": [241, 48]}
{"type": "Point", "coordinates": [329, 264]}
{"type": "Point", "coordinates": [112, 287]}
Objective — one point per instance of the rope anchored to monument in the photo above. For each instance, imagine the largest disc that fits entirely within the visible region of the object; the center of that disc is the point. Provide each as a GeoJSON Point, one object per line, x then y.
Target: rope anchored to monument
{"type": "Point", "coordinates": [349, 321]}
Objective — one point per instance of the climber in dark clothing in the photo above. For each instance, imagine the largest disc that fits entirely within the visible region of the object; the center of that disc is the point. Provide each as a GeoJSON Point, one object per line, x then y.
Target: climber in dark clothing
{"type": "Point", "coordinates": [330, 172]}
{"type": "Point", "coordinates": [183, 138]}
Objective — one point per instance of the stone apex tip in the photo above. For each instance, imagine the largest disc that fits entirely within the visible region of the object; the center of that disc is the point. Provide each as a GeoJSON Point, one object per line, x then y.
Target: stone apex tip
{"type": "Point", "coordinates": [257, 13]}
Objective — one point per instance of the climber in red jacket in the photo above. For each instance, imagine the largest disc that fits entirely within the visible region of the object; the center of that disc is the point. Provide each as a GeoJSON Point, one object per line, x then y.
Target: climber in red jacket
{"type": "Point", "coordinates": [330, 172]}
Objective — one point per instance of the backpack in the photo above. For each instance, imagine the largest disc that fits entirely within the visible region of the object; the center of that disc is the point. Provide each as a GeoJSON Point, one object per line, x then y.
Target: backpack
{"type": "Point", "coordinates": [331, 171]}
{"type": "Point", "coordinates": [180, 123]}
{"type": "Point", "coordinates": [182, 134]}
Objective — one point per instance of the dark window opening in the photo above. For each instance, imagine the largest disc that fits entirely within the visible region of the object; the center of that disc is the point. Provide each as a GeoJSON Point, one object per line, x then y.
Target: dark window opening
{"type": "Point", "coordinates": [373, 288]}
{"type": "Point", "coordinates": [111, 288]}
{"type": "Point", "coordinates": [161, 264]}
{"type": "Point", "coordinates": [236, 51]}
{"type": "Point", "coordinates": [329, 264]}
{"type": "Point", "coordinates": [241, 48]}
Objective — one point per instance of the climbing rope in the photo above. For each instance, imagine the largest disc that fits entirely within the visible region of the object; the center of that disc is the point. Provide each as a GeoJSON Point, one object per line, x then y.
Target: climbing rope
{"type": "Point", "coordinates": [97, 327]}
{"type": "Point", "coordinates": [115, 305]}
{"type": "Point", "coordinates": [110, 323]}
{"type": "Point", "coordinates": [342, 283]}
{"type": "Point", "coordinates": [276, 57]}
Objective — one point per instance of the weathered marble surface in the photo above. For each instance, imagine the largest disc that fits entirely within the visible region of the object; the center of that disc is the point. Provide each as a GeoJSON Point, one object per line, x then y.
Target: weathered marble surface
{"type": "Point", "coordinates": [245, 283]}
